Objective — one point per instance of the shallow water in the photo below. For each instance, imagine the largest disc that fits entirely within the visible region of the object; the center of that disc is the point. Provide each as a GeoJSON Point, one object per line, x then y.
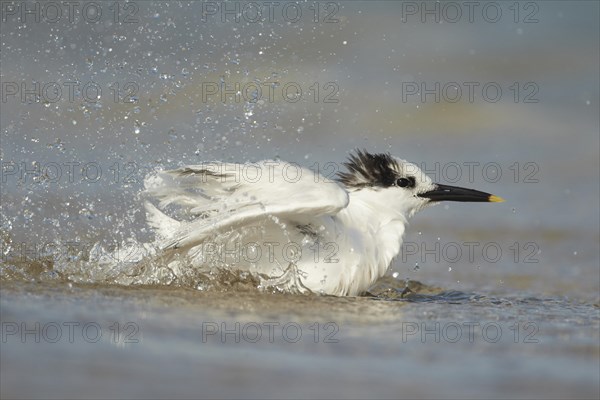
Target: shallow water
{"type": "Point", "coordinates": [239, 343]}
{"type": "Point", "coordinates": [485, 301]}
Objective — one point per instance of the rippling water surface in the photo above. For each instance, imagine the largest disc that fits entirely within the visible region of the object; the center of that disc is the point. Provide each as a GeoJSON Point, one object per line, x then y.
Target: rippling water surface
{"type": "Point", "coordinates": [485, 301]}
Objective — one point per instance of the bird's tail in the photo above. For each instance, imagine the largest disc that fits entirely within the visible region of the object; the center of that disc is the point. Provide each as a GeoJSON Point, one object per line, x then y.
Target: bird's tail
{"type": "Point", "coordinates": [163, 225]}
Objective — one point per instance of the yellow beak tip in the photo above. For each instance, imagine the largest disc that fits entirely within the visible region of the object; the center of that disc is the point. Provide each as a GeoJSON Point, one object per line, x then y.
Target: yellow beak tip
{"type": "Point", "coordinates": [496, 199]}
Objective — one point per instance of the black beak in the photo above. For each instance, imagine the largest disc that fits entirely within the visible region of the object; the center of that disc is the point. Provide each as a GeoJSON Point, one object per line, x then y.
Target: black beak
{"type": "Point", "coordinates": [453, 193]}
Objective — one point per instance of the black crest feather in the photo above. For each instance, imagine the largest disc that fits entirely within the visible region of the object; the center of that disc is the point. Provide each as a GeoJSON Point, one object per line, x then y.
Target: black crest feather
{"type": "Point", "coordinates": [369, 170]}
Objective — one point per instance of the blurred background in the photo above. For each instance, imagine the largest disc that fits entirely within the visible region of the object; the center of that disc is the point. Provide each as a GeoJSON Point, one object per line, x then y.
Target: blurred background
{"type": "Point", "coordinates": [498, 96]}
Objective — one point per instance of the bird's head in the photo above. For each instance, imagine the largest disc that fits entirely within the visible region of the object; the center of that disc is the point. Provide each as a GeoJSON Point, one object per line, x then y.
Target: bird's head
{"type": "Point", "coordinates": [396, 184]}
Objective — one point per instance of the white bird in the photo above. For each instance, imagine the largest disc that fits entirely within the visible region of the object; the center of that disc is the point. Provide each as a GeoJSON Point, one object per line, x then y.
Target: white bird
{"type": "Point", "coordinates": [290, 225]}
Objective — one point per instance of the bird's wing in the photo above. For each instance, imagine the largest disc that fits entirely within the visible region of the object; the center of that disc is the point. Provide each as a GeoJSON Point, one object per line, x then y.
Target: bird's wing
{"type": "Point", "coordinates": [226, 196]}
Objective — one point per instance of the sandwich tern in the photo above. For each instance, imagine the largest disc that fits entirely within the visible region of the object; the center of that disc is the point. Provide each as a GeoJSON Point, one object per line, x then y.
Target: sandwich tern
{"type": "Point", "coordinates": [293, 227]}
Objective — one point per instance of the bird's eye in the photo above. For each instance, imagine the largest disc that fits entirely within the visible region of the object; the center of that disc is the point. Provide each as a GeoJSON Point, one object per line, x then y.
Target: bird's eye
{"type": "Point", "coordinates": [405, 182]}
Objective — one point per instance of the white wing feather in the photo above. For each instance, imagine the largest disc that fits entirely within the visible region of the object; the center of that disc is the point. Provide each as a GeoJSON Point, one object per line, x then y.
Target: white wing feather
{"type": "Point", "coordinates": [225, 196]}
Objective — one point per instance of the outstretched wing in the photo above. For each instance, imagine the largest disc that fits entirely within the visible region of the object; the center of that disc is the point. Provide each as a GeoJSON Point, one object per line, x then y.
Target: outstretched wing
{"type": "Point", "coordinates": [225, 196]}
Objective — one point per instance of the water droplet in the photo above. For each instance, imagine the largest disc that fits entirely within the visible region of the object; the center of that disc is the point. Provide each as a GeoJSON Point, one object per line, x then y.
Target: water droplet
{"type": "Point", "coordinates": [449, 269]}
{"type": "Point", "coordinates": [395, 275]}
{"type": "Point", "coordinates": [248, 110]}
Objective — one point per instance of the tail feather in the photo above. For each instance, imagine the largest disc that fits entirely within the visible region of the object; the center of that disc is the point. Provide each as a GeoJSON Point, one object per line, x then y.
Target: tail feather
{"type": "Point", "coordinates": [163, 225]}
